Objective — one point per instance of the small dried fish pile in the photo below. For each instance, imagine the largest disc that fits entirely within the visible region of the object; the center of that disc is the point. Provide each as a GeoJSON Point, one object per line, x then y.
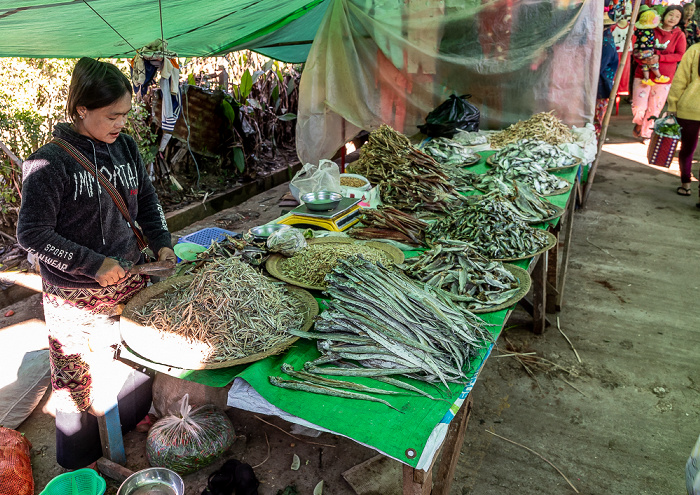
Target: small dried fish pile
{"type": "Point", "coordinates": [533, 151]}
{"type": "Point", "coordinates": [527, 205]}
{"type": "Point", "coordinates": [467, 138]}
{"type": "Point", "coordinates": [463, 275]}
{"type": "Point", "coordinates": [402, 325]}
{"type": "Point", "coordinates": [531, 174]}
{"type": "Point", "coordinates": [389, 223]}
{"type": "Point", "coordinates": [448, 152]}
{"type": "Point", "coordinates": [228, 311]}
{"type": "Point", "coordinates": [541, 126]}
{"type": "Point", "coordinates": [491, 228]}
{"type": "Point", "coordinates": [311, 265]}
{"type": "Point", "coordinates": [407, 178]}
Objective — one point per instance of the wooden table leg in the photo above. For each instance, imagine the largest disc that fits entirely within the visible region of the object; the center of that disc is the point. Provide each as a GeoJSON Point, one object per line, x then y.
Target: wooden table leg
{"type": "Point", "coordinates": [452, 448]}
{"type": "Point", "coordinates": [565, 254]}
{"type": "Point", "coordinates": [539, 295]}
{"type": "Point", "coordinates": [553, 271]}
{"type": "Point", "coordinates": [419, 482]}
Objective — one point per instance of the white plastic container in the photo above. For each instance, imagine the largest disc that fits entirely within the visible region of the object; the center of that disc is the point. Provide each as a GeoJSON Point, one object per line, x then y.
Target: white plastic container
{"type": "Point", "coordinates": [355, 192]}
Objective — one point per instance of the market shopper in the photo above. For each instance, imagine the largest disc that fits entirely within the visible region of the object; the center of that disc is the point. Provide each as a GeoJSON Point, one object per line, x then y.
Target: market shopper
{"type": "Point", "coordinates": [608, 66]}
{"type": "Point", "coordinates": [82, 241]}
{"type": "Point", "coordinates": [648, 101]}
{"type": "Point", "coordinates": [692, 31]}
{"type": "Point", "coordinates": [684, 103]}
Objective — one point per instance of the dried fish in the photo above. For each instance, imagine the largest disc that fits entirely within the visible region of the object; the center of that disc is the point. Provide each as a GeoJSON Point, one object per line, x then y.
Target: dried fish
{"type": "Point", "coordinates": [312, 264]}
{"type": "Point", "coordinates": [328, 382]}
{"type": "Point", "coordinates": [489, 227]}
{"type": "Point", "coordinates": [463, 275]}
{"type": "Point", "coordinates": [448, 152]}
{"type": "Point", "coordinates": [228, 311]}
{"type": "Point", "coordinates": [525, 151]}
{"type": "Point", "coordinates": [543, 126]}
{"type": "Point", "coordinates": [323, 390]}
{"type": "Point", "coordinates": [407, 178]}
{"type": "Point", "coordinates": [389, 223]}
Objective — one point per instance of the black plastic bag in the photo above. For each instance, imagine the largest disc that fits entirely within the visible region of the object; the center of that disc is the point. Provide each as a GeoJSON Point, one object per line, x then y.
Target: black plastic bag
{"type": "Point", "coordinates": [453, 114]}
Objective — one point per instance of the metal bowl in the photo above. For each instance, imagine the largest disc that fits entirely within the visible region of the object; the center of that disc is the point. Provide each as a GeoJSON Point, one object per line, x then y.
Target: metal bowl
{"type": "Point", "coordinates": [322, 200]}
{"type": "Point", "coordinates": [153, 481]}
{"type": "Point", "coordinates": [264, 231]}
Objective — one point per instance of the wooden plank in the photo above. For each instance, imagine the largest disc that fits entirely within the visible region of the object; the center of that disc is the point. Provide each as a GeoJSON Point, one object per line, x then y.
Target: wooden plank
{"type": "Point", "coordinates": [110, 432]}
{"type": "Point", "coordinates": [113, 470]}
{"type": "Point", "coordinates": [452, 448]}
{"type": "Point", "coordinates": [539, 295]}
{"type": "Point", "coordinates": [552, 270]}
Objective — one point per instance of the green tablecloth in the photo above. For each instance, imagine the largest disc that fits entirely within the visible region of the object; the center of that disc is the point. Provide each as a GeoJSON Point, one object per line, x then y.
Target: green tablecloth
{"type": "Point", "coordinates": [402, 435]}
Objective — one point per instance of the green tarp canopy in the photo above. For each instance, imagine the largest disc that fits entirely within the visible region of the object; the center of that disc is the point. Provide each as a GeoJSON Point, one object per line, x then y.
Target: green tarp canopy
{"type": "Point", "coordinates": [280, 29]}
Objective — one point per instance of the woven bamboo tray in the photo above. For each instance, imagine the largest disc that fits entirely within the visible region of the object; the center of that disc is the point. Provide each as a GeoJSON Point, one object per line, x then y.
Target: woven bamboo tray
{"type": "Point", "coordinates": [524, 283]}
{"type": "Point", "coordinates": [274, 266]}
{"type": "Point", "coordinates": [177, 352]}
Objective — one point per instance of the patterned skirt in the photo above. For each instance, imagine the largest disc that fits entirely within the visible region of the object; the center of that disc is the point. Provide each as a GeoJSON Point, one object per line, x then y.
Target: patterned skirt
{"type": "Point", "coordinates": [81, 332]}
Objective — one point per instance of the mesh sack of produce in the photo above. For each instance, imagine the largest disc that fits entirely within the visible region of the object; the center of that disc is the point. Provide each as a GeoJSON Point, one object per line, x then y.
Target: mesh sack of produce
{"type": "Point", "coordinates": [15, 466]}
{"type": "Point", "coordinates": [189, 439]}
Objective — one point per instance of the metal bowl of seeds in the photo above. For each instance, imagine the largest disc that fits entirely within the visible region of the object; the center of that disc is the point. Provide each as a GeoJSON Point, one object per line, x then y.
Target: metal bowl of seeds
{"type": "Point", "coordinates": [322, 200]}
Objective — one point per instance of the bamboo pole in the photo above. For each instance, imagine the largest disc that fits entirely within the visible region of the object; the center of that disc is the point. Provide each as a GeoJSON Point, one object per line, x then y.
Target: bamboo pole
{"type": "Point", "coordinates": [613, 94]}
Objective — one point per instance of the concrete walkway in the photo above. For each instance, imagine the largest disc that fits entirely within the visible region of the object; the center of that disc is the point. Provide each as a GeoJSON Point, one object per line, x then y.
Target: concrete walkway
{"type": "Point", "coordinates": [630, 312]}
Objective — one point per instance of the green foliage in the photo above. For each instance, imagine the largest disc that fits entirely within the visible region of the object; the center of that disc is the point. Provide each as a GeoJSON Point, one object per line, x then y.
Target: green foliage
{"type": "Point", "coordinates": [140, 127]}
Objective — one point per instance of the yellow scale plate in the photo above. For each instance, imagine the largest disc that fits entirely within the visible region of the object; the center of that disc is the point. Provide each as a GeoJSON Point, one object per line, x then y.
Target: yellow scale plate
{"type": "Point", "coordinates": [340, 219]}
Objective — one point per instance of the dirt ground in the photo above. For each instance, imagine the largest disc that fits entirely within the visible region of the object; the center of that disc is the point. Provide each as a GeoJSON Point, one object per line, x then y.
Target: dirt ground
{"type": "Point", "coordinates": [620, 421]}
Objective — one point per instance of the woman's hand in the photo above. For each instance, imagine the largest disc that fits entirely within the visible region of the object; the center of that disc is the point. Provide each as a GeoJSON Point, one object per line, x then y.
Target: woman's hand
{"type": "Point", "coordinates": [110, 272]}
{"type": "Point", "coordinates": [654, 59]}
{"type": "Point", "coordinates": [166, 254]}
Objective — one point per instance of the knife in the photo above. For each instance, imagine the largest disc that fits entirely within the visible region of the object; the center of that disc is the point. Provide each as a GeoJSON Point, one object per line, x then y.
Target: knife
{"type": "Point", "coordinates": [156, 268]}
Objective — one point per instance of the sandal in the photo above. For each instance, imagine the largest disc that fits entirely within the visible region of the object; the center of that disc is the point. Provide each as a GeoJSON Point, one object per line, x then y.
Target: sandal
{"type": "Point", "coordinates": [683, 191]}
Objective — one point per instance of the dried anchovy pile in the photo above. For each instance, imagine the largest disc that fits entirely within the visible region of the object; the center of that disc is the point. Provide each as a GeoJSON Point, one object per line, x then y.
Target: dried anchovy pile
{"type": "Point", "coordinates": [228, 311]}
{"type": "Point", "coordinates": [463, 275]}
{"type": "Point", "coordinates": [531, 174]}
{"type": "Point", "coordinates": [526, 151]}
{"type": "Point", "coordinates": [542, 126]}
{"type": "Point", "coordinates": [407, 178]}
{"type": "Point", "coordinates": [311, 265]}
{"type": "Point", "coordinates": [449, 152]}
{"type": "Point", "coordinates": [527, 205]}
{"type": "Point", "coordinates": [383, 319]}
{"type": "Point", "coordinates": [492, 229]}
{"type": "Point", "coordinates": [389, 223]}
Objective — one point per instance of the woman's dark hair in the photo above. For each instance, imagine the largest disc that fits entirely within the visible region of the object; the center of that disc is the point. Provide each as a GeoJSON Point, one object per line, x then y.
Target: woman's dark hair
{"type": "Point", "coordinates": [668, 9]}
{"type": "Point", "coordinates": [95, 84]}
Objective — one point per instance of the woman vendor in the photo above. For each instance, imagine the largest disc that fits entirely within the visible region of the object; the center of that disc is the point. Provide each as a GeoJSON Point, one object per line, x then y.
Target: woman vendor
{"type": "Point", "coordinates": [83, 242]}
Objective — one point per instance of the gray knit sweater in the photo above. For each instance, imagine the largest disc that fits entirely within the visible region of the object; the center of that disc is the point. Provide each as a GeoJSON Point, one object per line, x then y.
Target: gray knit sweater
{"type": "Point", "coordinates": [71, 223]}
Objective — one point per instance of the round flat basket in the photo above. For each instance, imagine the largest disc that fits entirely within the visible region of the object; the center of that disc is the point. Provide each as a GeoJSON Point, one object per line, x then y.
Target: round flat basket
{"type": "Point", "coordinates": [565, 168]}
{"type": "Point", "coordinates": [551, 242]}
{"type": "Point", "coordinates": [524, 283]}
{"type": "Point", "coordinates": [558, 211]}
{"type": "Point", "coordinates": [173, 351]}
{"type": "Point", "coordinates": [557, 192]}
{"type": "Point", "coordinates": [275, 268]}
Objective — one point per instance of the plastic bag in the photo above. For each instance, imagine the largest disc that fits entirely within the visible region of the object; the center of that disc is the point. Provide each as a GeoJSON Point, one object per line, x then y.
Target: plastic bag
{"type": "Point", "coordinates": [189, 439]}
{"type": "Point", "coordinates": [15, 466]}
{"type": "Point", "coordinates": [667, 126]}
{"type": "Point", "coordinates": [324, 176]}
{"type": "Point", "coordinates": [450, 116]}
{"type": "Point", "coordinates": [585, 145]}
{"type": "Point", "coordinates": [287, 241]}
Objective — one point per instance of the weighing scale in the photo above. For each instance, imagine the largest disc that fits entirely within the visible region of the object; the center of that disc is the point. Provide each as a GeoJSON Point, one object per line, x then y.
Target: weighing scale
{"type": "Point", "coordinates": [341, 218]}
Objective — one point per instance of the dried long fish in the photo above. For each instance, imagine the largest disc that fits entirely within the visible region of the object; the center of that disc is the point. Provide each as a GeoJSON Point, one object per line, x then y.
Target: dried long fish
{"type": "Point", "coordinates": [407, 178]}
{"type": "Point", "coordinates": [389, 223]}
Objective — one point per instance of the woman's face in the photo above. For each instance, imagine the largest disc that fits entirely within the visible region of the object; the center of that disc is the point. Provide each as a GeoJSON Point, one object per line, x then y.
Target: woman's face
{"type": "Point", "coordinates": [672, 19]}
{"type": "Point", "coordinates": [104, 124]}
